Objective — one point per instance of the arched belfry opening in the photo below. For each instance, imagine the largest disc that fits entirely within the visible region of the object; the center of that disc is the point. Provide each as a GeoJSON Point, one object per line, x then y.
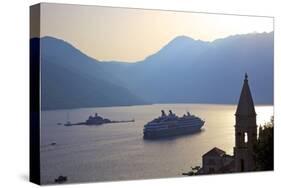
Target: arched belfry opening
{"type": "Point", "coordinates": [245, 137]}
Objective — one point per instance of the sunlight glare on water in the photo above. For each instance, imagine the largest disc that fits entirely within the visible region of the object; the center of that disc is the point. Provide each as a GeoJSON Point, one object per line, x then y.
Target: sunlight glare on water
{"type": "Point", "coordinates": [118, 152]}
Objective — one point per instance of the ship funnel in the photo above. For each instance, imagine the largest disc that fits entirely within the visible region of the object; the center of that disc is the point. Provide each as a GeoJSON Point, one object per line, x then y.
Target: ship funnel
{"type": "Point", "coordinates": [170, 112]}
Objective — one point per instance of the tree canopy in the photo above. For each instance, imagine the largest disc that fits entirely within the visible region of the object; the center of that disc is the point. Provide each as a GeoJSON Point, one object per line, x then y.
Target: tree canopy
{"type": "Point", "coordinates": [263, 151]}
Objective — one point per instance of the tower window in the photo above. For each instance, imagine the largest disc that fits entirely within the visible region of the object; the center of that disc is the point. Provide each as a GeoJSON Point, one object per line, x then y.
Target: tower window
{"type": "Point", "coordinates": [245, 137]}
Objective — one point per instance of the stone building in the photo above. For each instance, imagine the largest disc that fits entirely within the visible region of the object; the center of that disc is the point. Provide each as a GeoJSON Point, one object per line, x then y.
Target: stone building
{"type": "Point", "coordinates": [216, 160]}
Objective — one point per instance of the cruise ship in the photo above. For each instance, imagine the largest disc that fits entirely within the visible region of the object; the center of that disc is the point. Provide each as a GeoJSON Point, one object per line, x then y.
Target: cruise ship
{"type": "Point", "coordinates": [172, 125]}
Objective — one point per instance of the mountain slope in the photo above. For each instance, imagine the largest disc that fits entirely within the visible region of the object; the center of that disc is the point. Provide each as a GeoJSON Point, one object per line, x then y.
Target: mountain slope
{"type": "Point", "coordinates": [70, 79]}
{"type": "Point", "coordinates": [187, 70]}
{"type": "Point", "coordinates": [183, 71]}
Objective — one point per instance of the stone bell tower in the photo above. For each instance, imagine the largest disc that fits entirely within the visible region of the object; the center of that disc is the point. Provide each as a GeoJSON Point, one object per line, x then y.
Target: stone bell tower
{"type": "Point", "coordinates": [245, 130]}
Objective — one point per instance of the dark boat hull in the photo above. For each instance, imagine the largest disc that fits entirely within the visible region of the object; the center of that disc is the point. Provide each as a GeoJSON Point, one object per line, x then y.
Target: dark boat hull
{"type": "Point", "coordinates": [157, 134]}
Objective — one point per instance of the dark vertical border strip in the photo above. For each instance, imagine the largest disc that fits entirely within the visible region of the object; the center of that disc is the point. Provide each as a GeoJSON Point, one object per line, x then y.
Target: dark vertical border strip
{"type": "Point", "coordinates": [273, 90]}
{"type": "Point", "coordinates": [34, 95]}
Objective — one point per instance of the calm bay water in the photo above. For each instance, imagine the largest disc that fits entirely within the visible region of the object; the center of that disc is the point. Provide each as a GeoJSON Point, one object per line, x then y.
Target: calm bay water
{"type": "Point", "coordinates": [113, 152]}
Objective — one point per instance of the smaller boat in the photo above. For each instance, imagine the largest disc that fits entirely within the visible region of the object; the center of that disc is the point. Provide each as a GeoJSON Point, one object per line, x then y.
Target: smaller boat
{"type": "Point", "coordinates": [97, 120]}
{"type": "Point", "coordinates": [61, 179]}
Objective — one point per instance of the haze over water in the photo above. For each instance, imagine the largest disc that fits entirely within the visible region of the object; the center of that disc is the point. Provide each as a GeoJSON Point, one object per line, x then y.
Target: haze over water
{"type": "Point", "coordinates": [118, 151]}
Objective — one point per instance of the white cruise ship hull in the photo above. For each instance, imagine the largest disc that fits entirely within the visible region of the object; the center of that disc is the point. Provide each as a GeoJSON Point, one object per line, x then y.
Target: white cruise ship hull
{"type": "Point", "coordinates": [171, 131]}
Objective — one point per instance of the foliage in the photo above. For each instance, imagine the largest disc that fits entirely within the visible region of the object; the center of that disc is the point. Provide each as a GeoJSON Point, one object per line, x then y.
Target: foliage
{"type": "Point", "coordinates": [264, 154]}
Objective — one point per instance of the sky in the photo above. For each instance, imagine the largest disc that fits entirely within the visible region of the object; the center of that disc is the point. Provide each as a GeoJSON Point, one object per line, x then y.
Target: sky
{"type": "Point", "coordinates": [130, 35]}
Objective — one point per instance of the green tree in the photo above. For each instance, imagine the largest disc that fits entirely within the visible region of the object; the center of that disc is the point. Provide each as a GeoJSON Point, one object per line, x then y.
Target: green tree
{"type": "Point", "coordinates": [263, 151]}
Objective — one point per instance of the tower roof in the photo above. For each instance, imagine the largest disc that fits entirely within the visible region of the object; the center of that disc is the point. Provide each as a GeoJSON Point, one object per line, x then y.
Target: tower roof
{"type": "Point", "coordinates": [246, 105]}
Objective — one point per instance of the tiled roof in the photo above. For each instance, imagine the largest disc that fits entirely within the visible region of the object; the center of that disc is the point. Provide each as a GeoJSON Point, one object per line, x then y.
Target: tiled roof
{"type": "Point", "coordinates": [215, 152]}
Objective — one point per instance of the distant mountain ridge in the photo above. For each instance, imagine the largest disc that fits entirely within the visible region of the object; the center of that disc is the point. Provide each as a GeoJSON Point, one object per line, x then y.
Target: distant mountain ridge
{"type": "Point", "coordinates": [183, 71]}
{"type": "Point", "coordinates": [70, 79]}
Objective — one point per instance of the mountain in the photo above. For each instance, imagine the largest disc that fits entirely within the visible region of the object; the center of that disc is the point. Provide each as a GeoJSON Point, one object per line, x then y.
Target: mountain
{"type": "Point", "coordinates": [70, 79]}
{"type": "Point", "coordinates": [194, 71]}
{"type": "Point", "coordinates": [183, 71]}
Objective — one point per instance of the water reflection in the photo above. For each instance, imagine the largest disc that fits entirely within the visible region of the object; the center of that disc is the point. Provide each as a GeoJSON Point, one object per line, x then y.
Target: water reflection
{"type": "Point", "coordinates": [118, 152]}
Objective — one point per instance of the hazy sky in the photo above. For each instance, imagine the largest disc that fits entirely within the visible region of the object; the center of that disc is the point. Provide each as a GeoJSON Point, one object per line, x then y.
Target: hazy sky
{"type": "Point", "coordinates": [129, 35]}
